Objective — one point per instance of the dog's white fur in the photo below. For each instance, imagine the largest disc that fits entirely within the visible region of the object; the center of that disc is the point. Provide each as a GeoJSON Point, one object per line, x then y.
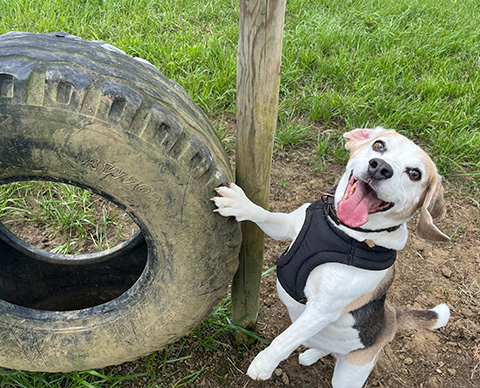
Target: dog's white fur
{"type": "Point", "coordinates": [324, 324]}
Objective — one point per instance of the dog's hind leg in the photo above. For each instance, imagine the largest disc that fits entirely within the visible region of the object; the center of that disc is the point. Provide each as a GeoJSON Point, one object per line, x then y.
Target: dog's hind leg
{"type": "Point", "coordinates": [311, 356]}
{"type": "Point", "coordinates": [352, 369]}
{"type": "Point", "coordinates": [348, 375]}
{"type": "Point", "coordinates": [316, 350]}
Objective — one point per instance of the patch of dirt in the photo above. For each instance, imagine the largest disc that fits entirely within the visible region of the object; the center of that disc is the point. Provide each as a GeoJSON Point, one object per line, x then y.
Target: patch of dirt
{"type": "Point", "coordinates": [427, 274]}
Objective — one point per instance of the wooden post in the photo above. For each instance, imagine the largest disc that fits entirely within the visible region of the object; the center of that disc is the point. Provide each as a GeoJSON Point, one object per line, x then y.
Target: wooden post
{"type": "Point", "coordinates": [258, 82]}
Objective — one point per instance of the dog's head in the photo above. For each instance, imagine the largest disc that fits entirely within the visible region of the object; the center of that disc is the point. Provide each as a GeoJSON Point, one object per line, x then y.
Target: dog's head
{"type": "Point", "coordinates": [387, 179]}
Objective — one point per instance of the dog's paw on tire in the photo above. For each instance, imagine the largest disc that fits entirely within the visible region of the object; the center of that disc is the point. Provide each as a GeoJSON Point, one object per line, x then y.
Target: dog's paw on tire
{"type": "Point", "coordinates": [85, 113]}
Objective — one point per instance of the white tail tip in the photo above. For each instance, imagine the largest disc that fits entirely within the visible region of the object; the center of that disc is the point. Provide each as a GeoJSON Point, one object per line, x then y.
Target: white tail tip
{"type": "Point", "coordinates": [443, 312]}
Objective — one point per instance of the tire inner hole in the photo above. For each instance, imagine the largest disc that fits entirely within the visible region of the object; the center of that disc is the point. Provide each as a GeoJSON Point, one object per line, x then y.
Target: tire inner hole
{"type": "Point", "coordinates": [65, 248]}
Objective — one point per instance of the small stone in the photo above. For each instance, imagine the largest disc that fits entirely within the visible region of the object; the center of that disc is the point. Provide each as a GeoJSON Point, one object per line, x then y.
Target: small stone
{"type": "Point", "coordinates": [408, 361]}
{"type": "Point", "coordinates": [447, 272]}
{"type": "Point", "coordinates": [285, 379]}
{"type": "Point", "coordinates": [451, 372]}
{"type": "Point", "coordinates": [439, 371]}
{"type": "Point", "coordinates": [433, 382]}
{"type": "Point", "coordinates": [278, 372]}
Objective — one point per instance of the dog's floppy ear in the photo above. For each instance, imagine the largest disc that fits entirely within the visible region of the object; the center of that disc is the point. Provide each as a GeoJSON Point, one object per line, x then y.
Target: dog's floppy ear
{"type": "Point", "coordinates": [433, 208]}
{"type": "Point", "coordinates": [359, 136]}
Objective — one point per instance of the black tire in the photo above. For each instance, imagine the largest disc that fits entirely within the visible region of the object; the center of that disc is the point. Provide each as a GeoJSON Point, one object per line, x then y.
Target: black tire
{"type": "Point", "coordinates": [87, 114]}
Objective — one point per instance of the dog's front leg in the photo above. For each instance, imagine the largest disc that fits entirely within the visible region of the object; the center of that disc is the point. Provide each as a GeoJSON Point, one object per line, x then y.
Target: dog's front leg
{"type": "Point", "coordinates": [309, 323]}
{"type": "Point", "coordinates": [233, 202]}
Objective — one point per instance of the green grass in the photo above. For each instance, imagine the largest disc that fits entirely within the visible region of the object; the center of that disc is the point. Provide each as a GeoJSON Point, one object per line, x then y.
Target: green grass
{"type": "Point", "coordinates": [292, 133]}
{"type": "Point", "coordinates": [68, 212]}
{"type": "Point", "coordinates": [87, 379]}
{"type": "Point", "coordinates": [409, 65]}
{"type": "Point", "coordinates": [193, 42]}
{"type": "Point", "coordinates": [412, 65]}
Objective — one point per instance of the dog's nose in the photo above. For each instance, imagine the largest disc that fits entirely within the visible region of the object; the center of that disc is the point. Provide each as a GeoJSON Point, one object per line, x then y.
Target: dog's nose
{"type": "Point", "coordinates": [379, 169]}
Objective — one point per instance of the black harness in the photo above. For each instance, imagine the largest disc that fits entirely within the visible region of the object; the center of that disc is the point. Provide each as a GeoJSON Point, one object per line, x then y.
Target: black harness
{"type": "Point", "coordinates": [320, 242]}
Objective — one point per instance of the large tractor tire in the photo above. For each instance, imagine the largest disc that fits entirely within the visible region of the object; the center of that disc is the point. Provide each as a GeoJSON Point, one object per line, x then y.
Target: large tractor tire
{"type": "Point", "coordinates": [87, 114]}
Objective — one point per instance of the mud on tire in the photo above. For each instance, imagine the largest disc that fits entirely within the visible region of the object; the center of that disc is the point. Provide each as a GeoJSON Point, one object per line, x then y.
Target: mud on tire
{"type": "Point", "coordinates": [87, 114]}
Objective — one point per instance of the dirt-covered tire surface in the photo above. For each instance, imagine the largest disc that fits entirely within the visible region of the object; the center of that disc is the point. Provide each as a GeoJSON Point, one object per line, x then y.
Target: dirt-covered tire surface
{"type": "Point", "coordinates": [87, 114]}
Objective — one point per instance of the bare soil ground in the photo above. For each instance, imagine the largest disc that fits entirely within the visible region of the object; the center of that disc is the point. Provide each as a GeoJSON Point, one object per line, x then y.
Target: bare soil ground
{"type": "Point", "coordinates": [427, 274]}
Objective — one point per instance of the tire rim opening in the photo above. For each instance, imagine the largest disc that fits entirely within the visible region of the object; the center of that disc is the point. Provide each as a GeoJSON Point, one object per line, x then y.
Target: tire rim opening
{"type": "Point", "coordinates": [95, 251]}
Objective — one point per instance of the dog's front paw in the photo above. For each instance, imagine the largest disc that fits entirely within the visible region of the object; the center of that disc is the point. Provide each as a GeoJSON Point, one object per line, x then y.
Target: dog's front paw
{"type": "Point", "coordinates": [261, 368]}
{"type": "Point", "coordinates": [232, 201]}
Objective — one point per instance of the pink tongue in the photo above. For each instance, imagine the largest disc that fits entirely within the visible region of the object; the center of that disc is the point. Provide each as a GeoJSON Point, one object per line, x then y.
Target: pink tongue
{"type": "Point", "coordinates": [354, 210]}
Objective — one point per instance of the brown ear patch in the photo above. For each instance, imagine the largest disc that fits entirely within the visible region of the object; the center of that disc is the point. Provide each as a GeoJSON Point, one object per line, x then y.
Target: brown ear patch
{"type": "Point", "coordinates": [433, 208]}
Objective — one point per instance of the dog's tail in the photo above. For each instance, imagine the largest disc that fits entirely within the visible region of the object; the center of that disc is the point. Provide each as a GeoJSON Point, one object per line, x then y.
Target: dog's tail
{"type": "Point", "coordinates": [435, 318]}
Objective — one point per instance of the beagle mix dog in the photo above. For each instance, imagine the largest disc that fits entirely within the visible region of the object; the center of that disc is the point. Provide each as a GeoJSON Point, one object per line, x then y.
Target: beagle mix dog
{"type": "Point", "coordinates": [334, 277]}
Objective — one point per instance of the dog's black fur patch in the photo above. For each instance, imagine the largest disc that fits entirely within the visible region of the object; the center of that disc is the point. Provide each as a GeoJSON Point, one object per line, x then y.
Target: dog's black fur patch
{"type": "Point", "coordinates": [369, 321]}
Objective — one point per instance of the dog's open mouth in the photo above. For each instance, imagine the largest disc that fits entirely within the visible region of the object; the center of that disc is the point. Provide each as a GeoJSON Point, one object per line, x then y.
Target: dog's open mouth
{"type": "Point", "coordinates": [358, 202]}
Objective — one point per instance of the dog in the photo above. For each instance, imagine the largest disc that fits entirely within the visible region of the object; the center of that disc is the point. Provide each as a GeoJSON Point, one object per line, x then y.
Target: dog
{"type": "Point", "coordinates": [334, 277]}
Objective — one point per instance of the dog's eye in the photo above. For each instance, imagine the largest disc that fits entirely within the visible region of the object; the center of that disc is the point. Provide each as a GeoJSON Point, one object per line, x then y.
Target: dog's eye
{"type": "Point", "coordinates": [379, 146]}
{"type": "Point", "coordinates": [414, 174]}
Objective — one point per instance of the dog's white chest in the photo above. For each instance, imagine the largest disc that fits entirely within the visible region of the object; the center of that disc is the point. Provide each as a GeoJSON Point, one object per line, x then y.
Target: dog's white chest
{"type": "Point", "coordinates": [337, 286]}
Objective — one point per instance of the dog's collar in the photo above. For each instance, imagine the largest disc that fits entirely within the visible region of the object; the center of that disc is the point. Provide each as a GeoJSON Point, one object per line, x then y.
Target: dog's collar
{"type": "Point", "coordinates": [329, 200]}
